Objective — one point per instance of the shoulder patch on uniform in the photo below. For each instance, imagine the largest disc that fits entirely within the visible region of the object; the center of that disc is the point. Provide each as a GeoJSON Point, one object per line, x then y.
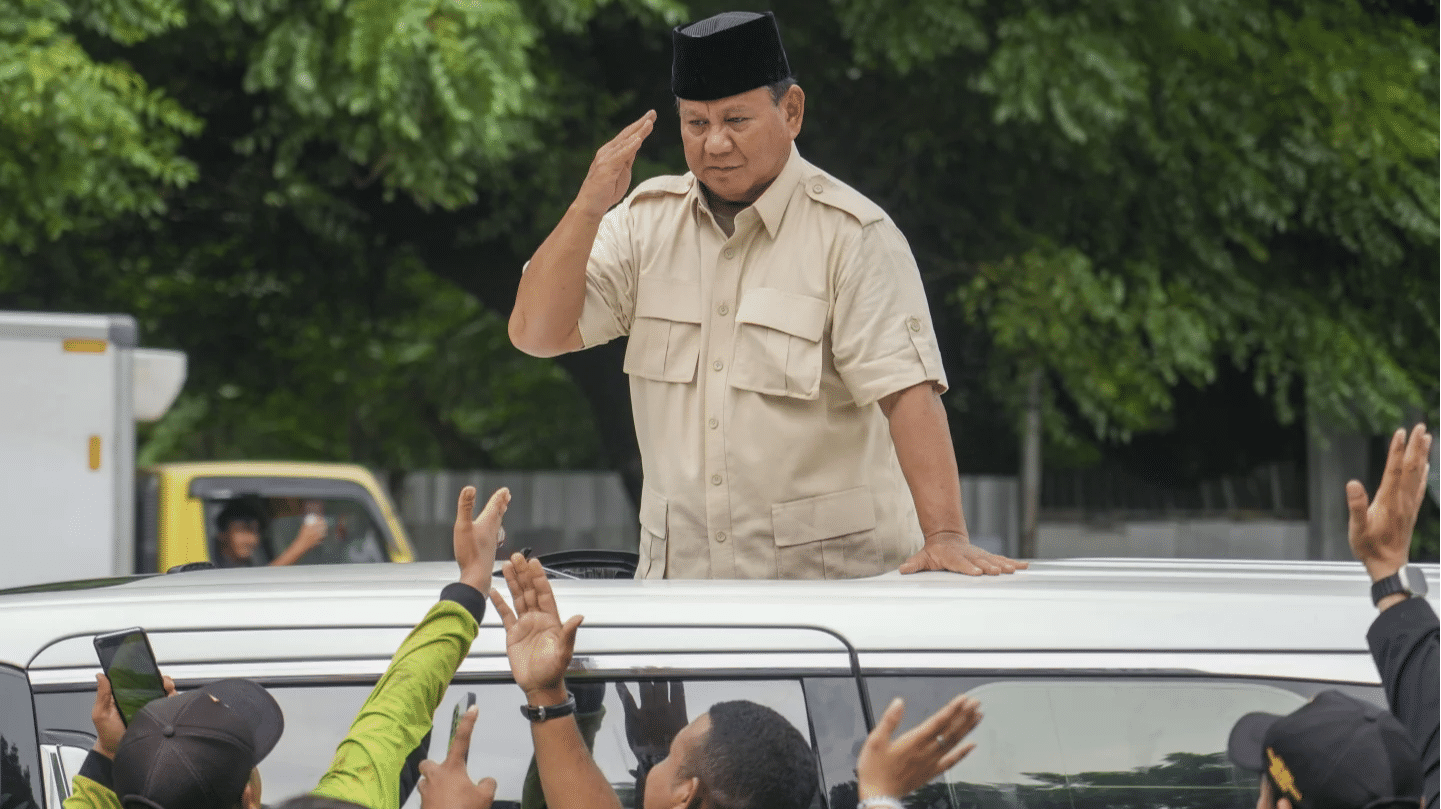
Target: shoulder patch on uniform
{"type": "Point", "coordinates": [677, 184]}
{"type": "Point", "coordinates": [827, 190]}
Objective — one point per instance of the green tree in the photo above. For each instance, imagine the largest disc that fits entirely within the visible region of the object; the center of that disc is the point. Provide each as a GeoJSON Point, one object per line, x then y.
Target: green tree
{"type": "Point", "coordinates": [1141, 198]}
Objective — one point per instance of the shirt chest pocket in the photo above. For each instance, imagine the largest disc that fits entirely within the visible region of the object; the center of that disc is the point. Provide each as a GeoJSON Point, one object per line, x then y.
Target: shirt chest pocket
{"type": "Point", "coordinates": [778, 343]}
{"type": "Point", "coordinates": [664, 343]}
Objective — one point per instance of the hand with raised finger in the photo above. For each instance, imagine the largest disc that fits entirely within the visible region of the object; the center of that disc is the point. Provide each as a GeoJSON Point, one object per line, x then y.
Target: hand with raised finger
{"type": "Point", "coordinates": [447, 785]}
{"type": "Point", "coordinates": [1380, 531]}
{"type": "Point", "coordinates": [609, 176]}
{"type": "Point", "coordinates": [954, 552]}
{"type": "Point", "coordinates": [896, 767]}
{"type": "Point", "coordinates": [476, 539]}
{"type": "Point", "coordinates": [538, 645]}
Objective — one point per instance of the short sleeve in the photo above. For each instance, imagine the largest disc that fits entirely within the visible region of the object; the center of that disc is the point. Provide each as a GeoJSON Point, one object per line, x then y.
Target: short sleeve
{"type": "Point", "coordinates": [882, 337]}
{"type": "Point", "coordinates": [610, 275]}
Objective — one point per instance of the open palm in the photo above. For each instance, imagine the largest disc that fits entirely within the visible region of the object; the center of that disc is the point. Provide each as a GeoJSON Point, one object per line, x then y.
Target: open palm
{"type": "Point", "coordinates": [538, 644]}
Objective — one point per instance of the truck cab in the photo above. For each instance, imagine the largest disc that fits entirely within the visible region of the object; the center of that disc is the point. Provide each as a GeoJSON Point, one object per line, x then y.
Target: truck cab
{"type": "Point", "coordinates": [177, 505]}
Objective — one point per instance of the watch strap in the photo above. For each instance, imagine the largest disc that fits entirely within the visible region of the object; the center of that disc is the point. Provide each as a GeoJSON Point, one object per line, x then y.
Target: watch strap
{"type": "Point", "coordinates": [1391, 585]}
{"type": "Point", "coordinates": [540, 713]}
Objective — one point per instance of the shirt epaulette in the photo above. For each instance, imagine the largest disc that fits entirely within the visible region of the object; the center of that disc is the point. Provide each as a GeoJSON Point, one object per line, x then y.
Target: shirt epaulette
{"type": "Point", "coordinates": [676, 184]}
{"type": "Point", "coordinates": [829, 191]}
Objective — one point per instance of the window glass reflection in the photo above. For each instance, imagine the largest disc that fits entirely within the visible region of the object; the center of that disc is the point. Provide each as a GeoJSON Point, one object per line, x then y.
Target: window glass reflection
{"type": "Point", "coordinates": [1094, 742]}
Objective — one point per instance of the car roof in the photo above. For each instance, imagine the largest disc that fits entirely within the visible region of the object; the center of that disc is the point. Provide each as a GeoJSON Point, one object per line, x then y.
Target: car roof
{"type": "Point", "coordinates": [1056, 605]}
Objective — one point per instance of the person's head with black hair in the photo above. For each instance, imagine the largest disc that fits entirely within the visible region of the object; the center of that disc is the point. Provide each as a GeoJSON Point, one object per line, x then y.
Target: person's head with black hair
{"type": "Point", "coordinates": [740, 755]}
{"type": "Point", "coordinates": [237, 528]}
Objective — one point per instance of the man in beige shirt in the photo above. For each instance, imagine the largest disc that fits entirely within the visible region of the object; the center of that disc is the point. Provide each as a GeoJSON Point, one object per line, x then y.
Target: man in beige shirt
{"type": "Point", "coordinates": [785, 377]}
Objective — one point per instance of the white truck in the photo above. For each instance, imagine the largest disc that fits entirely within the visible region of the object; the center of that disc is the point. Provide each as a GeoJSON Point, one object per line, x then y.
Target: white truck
{"type": "Point", "coordinates": [72, 388]}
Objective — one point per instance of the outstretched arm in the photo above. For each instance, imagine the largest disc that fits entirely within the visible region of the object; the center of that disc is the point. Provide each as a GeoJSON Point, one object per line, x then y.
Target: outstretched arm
{"type": "Point", "coordinates": [309, 535]}
{"type": "Point", "coordinates": [540, 647]}
{"type": "Point", "coordinates": [1403, 638]}
{"type": "Point", "coordinates": [397, 714]}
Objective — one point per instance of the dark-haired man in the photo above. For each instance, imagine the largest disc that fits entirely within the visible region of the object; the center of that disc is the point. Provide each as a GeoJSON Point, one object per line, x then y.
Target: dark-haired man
{"type": "Point", "coordinates": [238, 535]}
{"type": "Point", "coordinates": [1337, 752]}
{"type": "Point", "coordinates": [737, 755]}
{"type": "Point", "coordinates": [199, 750]}
{"type": "Point", "coordinates": [784, 372]}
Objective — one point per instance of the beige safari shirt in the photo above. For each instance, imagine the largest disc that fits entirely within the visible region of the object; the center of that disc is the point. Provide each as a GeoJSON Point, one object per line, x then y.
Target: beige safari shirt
{"type": "Point", "coordinates": [756, 363]}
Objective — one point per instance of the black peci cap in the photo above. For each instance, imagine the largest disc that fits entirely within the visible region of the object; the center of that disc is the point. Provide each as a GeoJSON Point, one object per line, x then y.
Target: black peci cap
{"type": "Point", "coordinates": [196, 750]}
{"type": "Point", "coordinates": [727, 54]}
{"type": "Point", "coordinates": [1334, 752]}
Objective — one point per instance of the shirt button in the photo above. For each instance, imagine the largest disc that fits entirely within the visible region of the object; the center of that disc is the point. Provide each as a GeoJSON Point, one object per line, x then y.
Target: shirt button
{"type": "Point", "coordinates": [715, 480]}
{"type": "Point", "coordinates": [818, 188]}
{"type": "Point", "coordinates": [718, 365]}
{"type": "Point", "coordinates": [720, 536]}
{"type": "Point", "coordinates": [723, 310]}
{"type": "Point", "coordinates": [914, 323]}
{"type": "Point", "coordinates": [714, 423]}
{"type": "Point", "coordinates": [729, 253]}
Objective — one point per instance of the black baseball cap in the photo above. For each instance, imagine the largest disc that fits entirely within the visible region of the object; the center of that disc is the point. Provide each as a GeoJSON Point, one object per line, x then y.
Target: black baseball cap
{"type": "Point", "coordinates": [1334, 752]}
{"type": "Point", "coordinates": [196, 750]}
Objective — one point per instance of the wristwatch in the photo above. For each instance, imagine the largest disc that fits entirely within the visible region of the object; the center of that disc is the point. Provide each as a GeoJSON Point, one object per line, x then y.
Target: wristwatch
{"type": "Point", "coordinates": [540, 713]}
{"type": "Point", "coordinates": [1409, 580]}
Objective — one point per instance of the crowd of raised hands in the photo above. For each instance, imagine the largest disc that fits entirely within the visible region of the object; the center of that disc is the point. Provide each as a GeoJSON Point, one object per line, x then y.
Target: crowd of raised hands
{"type": "Point", "coordinates": [539, 646]}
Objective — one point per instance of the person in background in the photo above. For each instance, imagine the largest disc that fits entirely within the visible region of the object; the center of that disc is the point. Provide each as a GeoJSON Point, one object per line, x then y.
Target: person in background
{"type": "Point", "coordinates": [238, 534]}
{"type": "Point", "coordinates": [1338, 752]}
{"type": "Point", "coordinates": [200, 749]}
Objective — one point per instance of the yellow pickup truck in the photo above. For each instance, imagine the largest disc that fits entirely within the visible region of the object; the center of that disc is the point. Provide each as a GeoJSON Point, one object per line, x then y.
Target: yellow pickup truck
{"type": "Point", "coordinates": [177, 505]}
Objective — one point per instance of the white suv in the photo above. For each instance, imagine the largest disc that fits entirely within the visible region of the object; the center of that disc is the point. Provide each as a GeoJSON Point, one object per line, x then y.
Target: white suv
{"type": "Point", "coordinates": [1103, 682]}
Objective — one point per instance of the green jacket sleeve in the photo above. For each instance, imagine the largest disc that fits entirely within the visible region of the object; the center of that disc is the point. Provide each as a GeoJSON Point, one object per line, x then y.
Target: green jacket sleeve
{"type": "Point", "coordinates": [398, 712]}
{"type": "Point", "coordinates": [86, 794]}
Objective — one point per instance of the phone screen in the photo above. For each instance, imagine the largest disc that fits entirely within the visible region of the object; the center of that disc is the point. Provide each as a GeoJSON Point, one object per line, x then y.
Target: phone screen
{"type": "Point", "coordinates": [461, 706]}
{"type": "Point", "coordinates": [134, 676]}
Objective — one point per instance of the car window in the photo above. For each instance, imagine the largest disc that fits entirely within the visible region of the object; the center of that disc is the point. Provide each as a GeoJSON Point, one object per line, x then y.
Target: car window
{"type": "Point", "coordinates": [21, 780]}
{"type": "Point", "coordinates": [1096, 741]}
{"type": "Point", "coordinates": [351, 535]}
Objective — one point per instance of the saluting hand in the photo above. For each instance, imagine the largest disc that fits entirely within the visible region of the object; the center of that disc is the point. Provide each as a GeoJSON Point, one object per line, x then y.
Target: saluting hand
{"type": "Point", "coordinates": [538, 644]}
{"type": "Point", "coordinates": [609, 176]}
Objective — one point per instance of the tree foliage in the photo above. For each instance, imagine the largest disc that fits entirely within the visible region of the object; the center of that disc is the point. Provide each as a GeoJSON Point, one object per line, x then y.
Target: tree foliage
{"type": "Point", "coordinates": [1140, 197]}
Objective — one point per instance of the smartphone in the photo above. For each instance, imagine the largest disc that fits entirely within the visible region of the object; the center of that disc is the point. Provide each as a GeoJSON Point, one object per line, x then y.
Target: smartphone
{"type": "Point", "coordinates": [460, 708]}
{"type": "Point", "coordinates": [129, 663]}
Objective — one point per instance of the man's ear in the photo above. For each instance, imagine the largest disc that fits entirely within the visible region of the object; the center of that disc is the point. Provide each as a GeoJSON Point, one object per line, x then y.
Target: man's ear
{"type": "Point", "coordinates": [685, 792]}
{"type": "Point", "coordinates": [793, 105]}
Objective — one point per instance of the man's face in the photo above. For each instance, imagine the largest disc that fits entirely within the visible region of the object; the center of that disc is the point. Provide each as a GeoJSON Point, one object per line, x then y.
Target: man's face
{"type": "Point", "coordinates": [239, 539]}
{"type": "Point", "coordinates": [665, 788]}
{"type": "Point", "coordinates": [736, 146]}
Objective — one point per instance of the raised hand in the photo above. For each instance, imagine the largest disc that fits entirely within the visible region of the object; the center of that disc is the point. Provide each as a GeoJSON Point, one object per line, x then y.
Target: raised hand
{"type": "Point", "coordinates": [447, 785]}
{"type": "Point", "coordinates": [538, 645]}
{"type": "Point", "coordinates": [1380, 531]}
{"type": "Point", "coordinates": [109, 727]}
{"type": "Point", "coordinates": [651, 727]}
{"type": "Point", "coordinates": [609, 176]}
{"type": "Point", "coordinates": [896, 767]}
{"type": "Point", "coordinates": [476, 540]}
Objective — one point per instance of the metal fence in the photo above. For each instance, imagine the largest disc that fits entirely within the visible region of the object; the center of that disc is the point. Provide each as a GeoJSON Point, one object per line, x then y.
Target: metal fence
{"type": "Point", "coordinates": [549, 511]}
{"type": "Point", "coordinates": [553, 511]}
